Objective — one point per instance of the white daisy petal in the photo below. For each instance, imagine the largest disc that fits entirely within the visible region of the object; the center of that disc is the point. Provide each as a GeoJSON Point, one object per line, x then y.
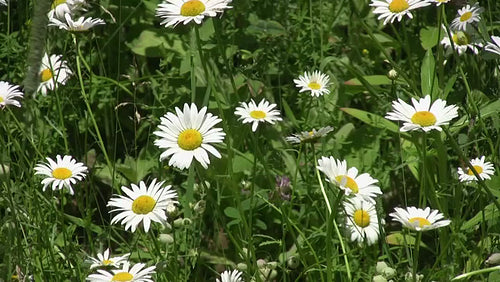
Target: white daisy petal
{"type": "Point", "coordinates": [396, 9]}
{"type": "Point", "coordinates": [362, 220]}
{"type": "Point", "coordinates": [104, 260]}
{"type": "Point", "coordinates": [8, 94]}
{"type": "Point", "coordinates": [316, 83]}
{"type": "Point", "coordinates": [484, 169]}
{"type": "Point", "coordinates": [230, 276]}
{"type": "Point", "coordinates": [53, 72]}
{"type": "Point", "coordinates": [419, 219]}
{"type": "Point", "coordinates": [135, 274]}
{"type": "Point", "coordinates": [252, 113]}
{"type": "Point", "coordinates": [62, 173]}
{"type": "Point", "coordinates": [174, 12]}
{"type": "Point", "coordinates": [142, 204]}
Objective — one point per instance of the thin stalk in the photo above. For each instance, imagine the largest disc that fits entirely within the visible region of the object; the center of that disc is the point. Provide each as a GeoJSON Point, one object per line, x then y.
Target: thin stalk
{"type": "Point", "coordinates": [415, 256]}
{"type": "Point", "coordinates": [193, 72]}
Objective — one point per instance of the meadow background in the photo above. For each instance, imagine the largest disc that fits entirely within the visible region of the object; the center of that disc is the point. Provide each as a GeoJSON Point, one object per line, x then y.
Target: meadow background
{"type": "Point", "coordinates": [235, 214]}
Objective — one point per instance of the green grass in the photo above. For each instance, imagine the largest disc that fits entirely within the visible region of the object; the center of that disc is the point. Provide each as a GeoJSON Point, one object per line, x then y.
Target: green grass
{"type": "Point", "coordinates": [131, 71]}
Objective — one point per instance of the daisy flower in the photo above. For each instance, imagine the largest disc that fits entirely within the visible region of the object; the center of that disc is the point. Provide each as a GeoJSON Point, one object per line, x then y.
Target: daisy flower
{"type": "Point", "coordinates": [230, 276]}
{"type": "Point", "coordinates": [188, 135]}
{"type": "Point", "coordinates": [484, 169]}
{"type": "Point", "coordinates": [104, 260]}
{"type": "Point", "coordinates": [316, 82]}
{"type": "Point", "coordinates": [61, 173]}
{"type": "Point", "coordinates": [61, 7]}
{"type": "Point", "coordinates": [392, 9]}
{"type": "Point", "coordinates": [494, 46]}
{"type": "Point", "coordinates": [254, 113]}
{"type": "Point", "coordinates": [466, 16]}
{"type": "Point", "coordinates": [82, 24]}
{"type": "Point", "coordinates": [362, 220]}
{"type": "Point", "coordinates": [461, 41]}
{"type": "Point", "coordinates": [3, 2]}
{"type": "Point", "coordinates": [362, 185]}
{"type": "Point", "coordinates": [419, 219]}
{"type": "Point", "coordinates": [142, 204]}
{"type": "Point", "coordinates": [174, 12]}
{"type": "Point", "coordinates": [309, 136]}
{"type": "Point", "coordinates": [422, 115]}
{"type": "Point", "coordinates": [137, 274]}
{"type": "Point", "coordinates": [53, 71]}
{"type": "Point", "coordinates": [439, 2]}
{"type": "Point", "coordinates": [8, 94]}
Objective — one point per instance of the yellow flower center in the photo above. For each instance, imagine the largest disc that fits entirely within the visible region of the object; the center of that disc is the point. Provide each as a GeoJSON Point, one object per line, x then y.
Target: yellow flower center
{"type": "Point", "coordinates": [478, 169]}
{"type": "Point", "coordinates": [1, 99]}
{"type": "Point", "coordinates": [57, 3]}
{"type": "Point", "coordinates": [311, 133]}
{"type": "Point", "coordinates": [46, 74]}
{"type": "Point", "coordinates": [122, 276]}
{"type": "Point", "coordinates": [61, 173]}
{"type": "Point", "coordinates": [314, 85]}
{"type": "Point", "coordinates": [257, 114]}
{"type": "Point", "coordinates": [460, 38]}
{"type": "Point", "coordinates": [190, 139]}
{"type": "Point", "coordinates": [465, 16]}
{"type": "Point", "coordinates": [398, 6]}
{"type": "Point", "coordinates": [423, 118]}
{"type": "Point", "coordinates": [421, 221]}
{"type": "Point", "coordinates": [348, 182]}
{"type": "Point", "coordinates": [107, 262]}
{"type": "Point", "coordinates": [361, 218]}
{"type": "Point", "coordinates": [143, 205]}
{"type": "Point", "coordinates": [192, 8]}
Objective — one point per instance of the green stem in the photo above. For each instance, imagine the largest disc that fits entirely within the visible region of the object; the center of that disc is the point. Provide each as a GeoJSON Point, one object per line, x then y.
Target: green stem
{"type": "Point", "coordinates": [193, 72]}
{"type": "Point", "coordinates": [415, 256]}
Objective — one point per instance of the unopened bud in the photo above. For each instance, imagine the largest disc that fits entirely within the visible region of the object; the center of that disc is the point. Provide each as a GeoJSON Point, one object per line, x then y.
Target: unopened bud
{"type": "Point", "coordinates": [379, 278]}
{"type": "Point", "coordinates": [392, 74]}
{"type": "Point", "coordinates": [494, 259]}
{"type": "Point", "coordinates": [166, 238]}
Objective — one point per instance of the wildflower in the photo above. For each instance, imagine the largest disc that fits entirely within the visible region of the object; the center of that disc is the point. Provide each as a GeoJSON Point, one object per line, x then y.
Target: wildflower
{"type": "Point", "coordinates": [466, 16]}
{"type": "Point", "coordinates": [61, 7]}
{"type": "Point", "coordinates": [142, 204]}
{"type": "Point", "coordinates": [188, 135]}
{"type": "Point", "coordinates": [439, 2]}
{"type": "Point", "coordinates": [348, 179]}
{"type": "Point", "coordinates": [362, 220]}
{"type": "Point", "coordinates": [493, 46]}
{"type": "Point", "coordinates": [82, 24]}
{"type": "Point", "coordinates": [283, 189]}
{"type": "Point", "coordinates": [484, 169]}
{"type": "Point", "coordinates": [62, 173]}
{"type": "Point", "coordinates": [230, 276]}
{"type": "Point", "coordinates": [174, 12]}
{"type": "Point", "coordinates": [254, 113]}
{"type": "Point", "coordinates": [3, 2]}
{"type": "Point", "coordinates": [316, 82]}
{"type": "Point", "coordinates": [137, 273]}
{"type": "Point", "coordinates": [309, 136]}
{"type": "Point", "coordinates": [422, 115]}
{"type": "Point", "coordinates": [53, 71]}
{"type": "Point", "coordinates": [8, 94]}
{"type": "Point", "coordinates": [392, 9]}
{"type": "Point", "coordinates": [104, 260]}
{"type": "Point", "coordinates": [462, 41]}
{"type": "Point", "coordinates": [419, 219]}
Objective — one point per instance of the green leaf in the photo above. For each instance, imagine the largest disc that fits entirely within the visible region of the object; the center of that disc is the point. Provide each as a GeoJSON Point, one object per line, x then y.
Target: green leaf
{"type": "Point", "coordinates": [265, 28]}
{"type": "Point", "coordinates": [486, 111]}
{"type": "Point", "coordinates": [81, 223]}
{"type": "Point", "coordinates": [429, 37]}
{"type": "Point", "coordinates": [428, 78]}
{"type": "Point", "coordinates": [490, 212]}
{"type": "Point", "coordinates": [154, 43]}
{"type": "Point", "coordinates": [399, 239]}
{"type": "Point", "coordinates": [371, 79]}
{"type": "Point", "coordinates": [374, 120]}
{"type": "Point", "coordinates": [232, 212]}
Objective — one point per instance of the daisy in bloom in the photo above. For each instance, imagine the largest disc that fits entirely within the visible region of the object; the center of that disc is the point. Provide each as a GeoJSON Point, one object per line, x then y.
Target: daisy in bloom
{"type": "Point", "coordinates": [61, 173]}
{"type": "Point", "coordinates": [254, 113]}
{"type": "Point", "coordinates": [466, 16]}
{"type": "Point", "coordinates": [104, 260]}
{"type": "Point", "coordinates": [53, 71]}
{"type": "Point", "coordinates": [362, 185]}
{"type": "Point", "coordinates": [61, 7]}
{"type": "Point", "coordinates": [8, 94]}
{"type": "Point", "coordinates": [419, 219]}
{"type": "Point", "coordinates": [188, 135]}
{"type": "Point", "coordinates": [362, 220]}
{"type": "Point", "coordinates": [461, 41]}
{"type": "Point", "coordinates": [316, 82]}
{"type": "Point", "coordinates": [439, 2]}
{"type": "Point", "coordinates": [494, 46]}
{"type": "Point", "coordinates": [392, 9]}
{"type": "Point", "coordinates": [137, 274]}
{"type": "Point", "coordinates": [484, 169]}
{"type": "Point", "coordinates": [3, 2]}
{"type": "Point", "coordinates": [309, 136]}
{"type": "Point", "coordinates": [230, 276]}
{"type": "Point", "coordinates": [142, 204]}
{"type": "Point", "coordinates": [82, 24]}
{"type": "Point", "coordinates": [174, 12]}
{"type": "Point", "coordinates": [422, 115]}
